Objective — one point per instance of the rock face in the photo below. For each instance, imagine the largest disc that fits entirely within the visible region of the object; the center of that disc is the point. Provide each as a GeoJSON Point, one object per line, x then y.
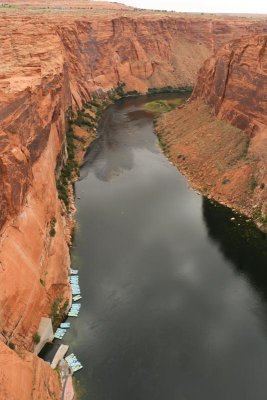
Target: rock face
{"type": "Point", "coordinates": [144, 50]}
{"type": "Point", "coordinates": [33, 265]}
{"type": "Point", "coordinates": [53, 58]}
{"type": "Point", "coordinates": [234, 81]}
{"type": "Point", "coordinates": [233, 85]}
{"type": "Point", "coordinates": [26, 377]}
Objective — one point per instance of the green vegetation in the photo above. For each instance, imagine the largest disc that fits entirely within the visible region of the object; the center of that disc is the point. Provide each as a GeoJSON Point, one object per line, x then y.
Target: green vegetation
{"type": "Point", "coordinates": [170, 89]}
{"type": "Point", "coordinates": [11, 345]}
{"type": "Point", "coordinates": [42, 282]}
{"type": "Point", "coordinates": [6, 5]}
{"type": "Point", "coordinates": [257, 213]}
{"type": "Point", "coordinates": [252, 183]}
{"type": "Point", "coordinates": [259, 216]}
{"type": "Point", "coordinates": [36, 338]}
{"type": "Point", "coordinates": [162, 106]}
{"type": "Point", "coordinates": [52, 231]}
{"type": "Point", "coordinates": [120, 89]}
{"type": "Point", "coordinates": [85, 119]}
{"type": "Point", "coordinates": [132, 93]}
{"type": "Point", "coordinates": [58, 311]}
{"type": "Point", "coordinates": [69, 169]}
{"type": "Point", "coordinates": [163, 145]}
{"type": "Point", "coordinates": [119, 92]}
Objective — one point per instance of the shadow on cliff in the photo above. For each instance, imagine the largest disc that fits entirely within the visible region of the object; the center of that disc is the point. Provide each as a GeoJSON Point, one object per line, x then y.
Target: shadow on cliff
{"type": "Point", "coordinates": [240, 242]}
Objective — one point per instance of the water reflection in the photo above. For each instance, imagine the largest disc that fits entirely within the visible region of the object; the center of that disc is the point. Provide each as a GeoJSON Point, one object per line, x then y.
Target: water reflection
{"type": "Point", "coordinates": [168, 311]}
{"type": "Point", "coordinates": [240, 242]}
{"type": "Point", "coordinates": [120, 134]}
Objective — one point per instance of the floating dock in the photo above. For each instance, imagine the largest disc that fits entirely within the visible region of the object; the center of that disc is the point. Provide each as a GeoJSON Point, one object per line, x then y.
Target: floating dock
{"type": "Point", "coordinates": [65, 325]}
{"type": "Point", "coordinates": [75, 309]}
{"type": "Point", "coordinates": [60, 333]}
{"type": "Point", "coordinates": [73, 363]}
{"type": "Point", "coordinates": [71, 360]}
{"type": "Point", "coordinates": [78, 297]}
{"type": "Point", "coordinates": [62, 351]}
{"type": "Point", "coordinates": [73, 271]}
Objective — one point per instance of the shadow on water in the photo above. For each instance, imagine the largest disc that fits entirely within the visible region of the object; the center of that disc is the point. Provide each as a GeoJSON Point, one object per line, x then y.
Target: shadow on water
{"type": "Point", "coordinates": [240, 242]}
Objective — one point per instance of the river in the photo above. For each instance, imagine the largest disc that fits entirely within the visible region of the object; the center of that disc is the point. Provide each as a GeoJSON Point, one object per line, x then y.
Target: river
{"type": "Point", "coordinates": [174, 290]}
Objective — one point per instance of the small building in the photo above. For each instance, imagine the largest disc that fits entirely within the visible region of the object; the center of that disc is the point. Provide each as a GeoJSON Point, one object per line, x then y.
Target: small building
{"type": "Point", "coordinates": [45, 331]}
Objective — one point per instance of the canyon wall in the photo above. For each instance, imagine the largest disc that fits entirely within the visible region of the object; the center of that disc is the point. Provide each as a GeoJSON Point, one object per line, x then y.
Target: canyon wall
{"type": "Point", "coordinates": [234, 81]}
{"type": "Point", "coordinates": [51, 61]}
{"type": "Point", "coordinates": [143, 51]}
{"type": "Point", "coordinates": [34, 97]}
{"type": "Point", "coordinates": [24, 376]}
{"type": "Point", "coordinates": [222, 147]}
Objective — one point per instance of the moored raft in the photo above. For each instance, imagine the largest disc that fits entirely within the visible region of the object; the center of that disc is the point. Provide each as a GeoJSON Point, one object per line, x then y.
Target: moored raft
{"type": "Point", "coordinates": [73, 363]}
{"type": "Point", "coordinates": [65, 325]}
{"type": "Point", "coordinates": [73, 271]}
{"type": "Point", "coordinates": [75, 309]}
{"type": "Point", "coordinates": [76, 298]}
{"type": "Point", "coordinates": [74, 279]}
{"type": "Point", "coordinates": [59, 334]}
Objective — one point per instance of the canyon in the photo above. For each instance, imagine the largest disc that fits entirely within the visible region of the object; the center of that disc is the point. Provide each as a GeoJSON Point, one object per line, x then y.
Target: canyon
{"type": "Point", "coordinates": [53, 59]}
{"type": "Point", "coordinates": [219, 138]}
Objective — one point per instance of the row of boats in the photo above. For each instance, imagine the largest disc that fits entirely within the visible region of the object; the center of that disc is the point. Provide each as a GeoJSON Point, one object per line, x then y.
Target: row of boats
{"type": "Point", "coordinates": [71, 359]}
{"type": "Point", "coordinates": [73, 363]}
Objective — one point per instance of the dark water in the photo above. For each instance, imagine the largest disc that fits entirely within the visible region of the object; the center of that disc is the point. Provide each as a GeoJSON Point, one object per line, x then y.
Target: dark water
{"type": "Point", "coordinates": [174, 291]}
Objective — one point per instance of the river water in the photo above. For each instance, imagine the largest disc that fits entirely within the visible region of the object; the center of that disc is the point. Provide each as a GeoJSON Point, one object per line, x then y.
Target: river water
{"type": "Point", "coordinates": [174, 291]}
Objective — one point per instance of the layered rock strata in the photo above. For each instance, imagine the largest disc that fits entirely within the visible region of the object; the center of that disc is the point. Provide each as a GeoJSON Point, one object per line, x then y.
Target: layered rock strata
{"type": "Point", "coordinates": [219, 139]}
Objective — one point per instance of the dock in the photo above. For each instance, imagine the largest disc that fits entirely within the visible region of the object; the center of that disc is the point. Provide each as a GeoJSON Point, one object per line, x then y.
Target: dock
{"type": "Point", "coordinates": [60, 354]}
{"type": "Point", "coordinates": [73, 363]}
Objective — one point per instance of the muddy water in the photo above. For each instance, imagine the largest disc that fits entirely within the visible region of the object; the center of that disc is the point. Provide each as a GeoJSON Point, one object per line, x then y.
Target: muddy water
{"type": "Point", "coordinates": [174, 291]}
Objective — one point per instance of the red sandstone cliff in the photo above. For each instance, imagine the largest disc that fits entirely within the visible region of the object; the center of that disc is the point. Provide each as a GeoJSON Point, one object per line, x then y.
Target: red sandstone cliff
{"type": "Point", "coordinates": [143, 50]}
{"type": "Point", "coordinates": [26, 377]}
{"type": "Point", "coordinates": [51, 60]}
{"type": "Point", "coordinates": [229, 164]}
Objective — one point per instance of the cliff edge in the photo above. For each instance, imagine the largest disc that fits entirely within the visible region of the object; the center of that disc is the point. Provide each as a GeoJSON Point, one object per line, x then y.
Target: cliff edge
{"type": "Point", "coordinates": [219, 139]}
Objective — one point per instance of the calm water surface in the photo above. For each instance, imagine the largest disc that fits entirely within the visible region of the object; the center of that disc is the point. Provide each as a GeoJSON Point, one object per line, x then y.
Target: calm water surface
{"type": "Point", "coordinates": [174, 292]}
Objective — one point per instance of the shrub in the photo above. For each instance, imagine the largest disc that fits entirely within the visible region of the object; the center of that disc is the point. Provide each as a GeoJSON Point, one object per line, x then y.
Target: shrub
{"type": "Point", "coordinates": [52, 231]}
{"type": "Point", "coordinates": [253, 183]}
{"type": "Point", "coordinates": [70, 167]}
{"type": "Point", "coordinates": [57, 311]}
{"type": "Point", "coordinates": [132, 93]}
{"type": "Point", "coordinates": [119, 90]}
{"type": "Point", "coordinates": [170, 89]}
{"type": "Point", "coordinates": [36, 338]}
